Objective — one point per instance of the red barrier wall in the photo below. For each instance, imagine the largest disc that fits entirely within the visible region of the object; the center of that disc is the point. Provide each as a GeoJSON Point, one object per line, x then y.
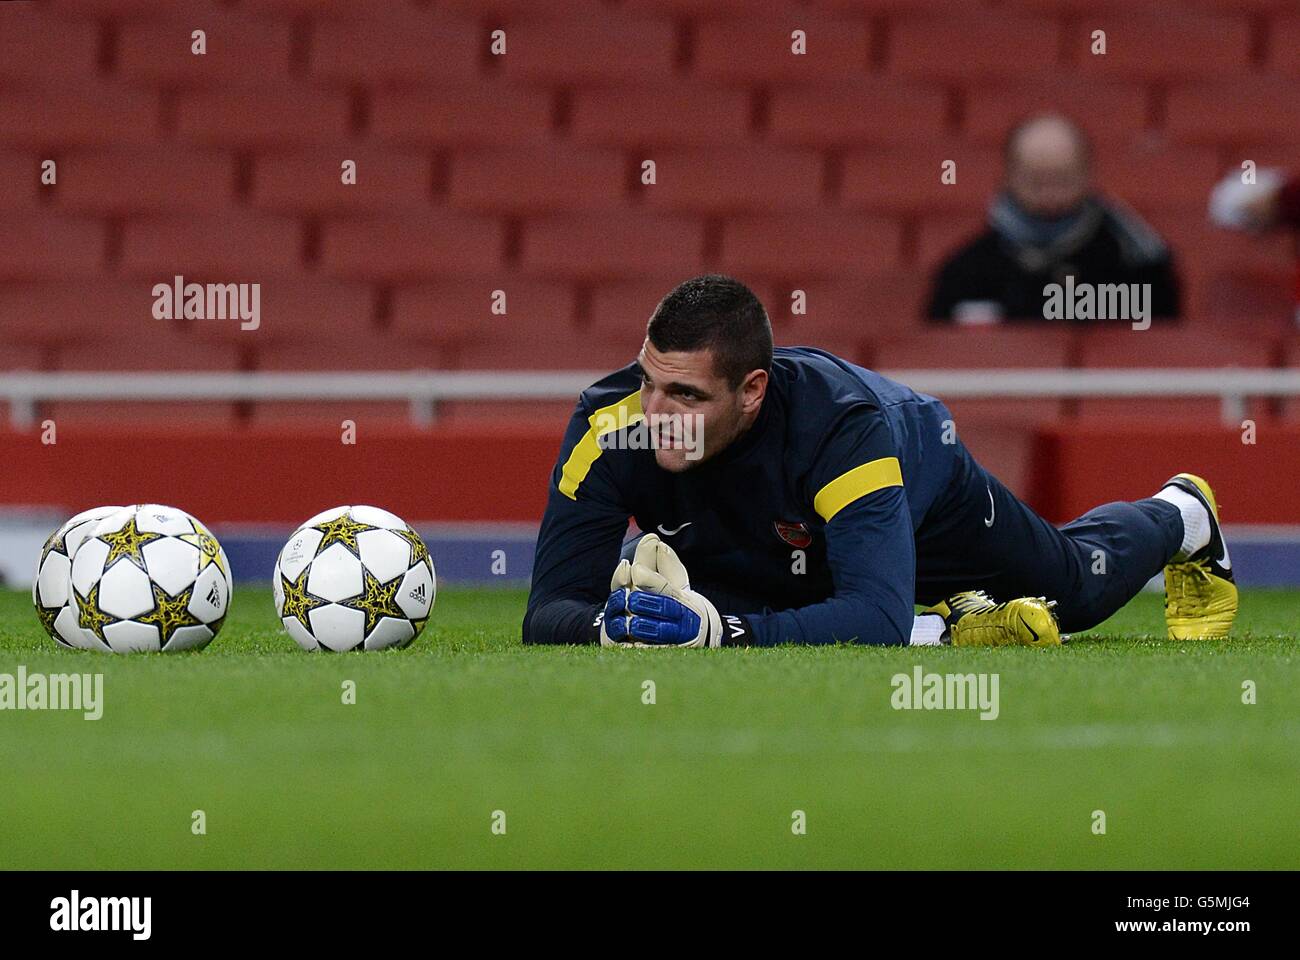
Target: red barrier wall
{"type": "Point", "coordinates": [499, 474]}
{"type": "Point", "coordinates": [1083, 464]}
{"type": "Point", "coordinates": [282, 476]}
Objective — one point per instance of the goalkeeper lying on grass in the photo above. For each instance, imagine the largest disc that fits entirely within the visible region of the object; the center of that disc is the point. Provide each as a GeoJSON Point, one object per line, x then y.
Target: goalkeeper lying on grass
{"type": "Point", "coordinates": [814, 501]}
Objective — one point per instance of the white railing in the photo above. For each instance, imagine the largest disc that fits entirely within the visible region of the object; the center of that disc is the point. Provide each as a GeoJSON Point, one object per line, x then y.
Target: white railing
{"type": "Point", "coordinates": [423, 390]}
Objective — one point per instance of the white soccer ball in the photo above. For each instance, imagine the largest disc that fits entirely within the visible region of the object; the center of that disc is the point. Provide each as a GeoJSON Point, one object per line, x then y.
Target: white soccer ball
{"type": "Point", "coordinates": [354, 578]}
{"type": "Point", "coordinates": [52, 586]}
{"type": "Point", "coordinates": [150, 578]}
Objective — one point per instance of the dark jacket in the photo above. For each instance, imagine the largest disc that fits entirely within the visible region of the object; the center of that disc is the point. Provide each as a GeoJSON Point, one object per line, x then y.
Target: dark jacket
{"type": "Point", "coordinates": [1111, 246]}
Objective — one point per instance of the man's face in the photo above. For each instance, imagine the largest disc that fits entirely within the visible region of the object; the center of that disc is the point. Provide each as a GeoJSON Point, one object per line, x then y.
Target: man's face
{"type": "Point", "coordinates": [1048, 172]}
{"type": "Point", "coordinates": [692, 410]}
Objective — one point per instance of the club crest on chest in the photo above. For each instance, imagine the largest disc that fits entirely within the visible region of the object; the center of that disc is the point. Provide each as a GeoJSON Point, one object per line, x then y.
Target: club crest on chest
{"type": "Point", "coordinates": [796, 534]}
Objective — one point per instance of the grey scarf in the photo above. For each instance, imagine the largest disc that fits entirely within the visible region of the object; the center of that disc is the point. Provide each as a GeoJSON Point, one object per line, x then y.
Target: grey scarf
{"type": "Point", "coordinates": [1036, 242]}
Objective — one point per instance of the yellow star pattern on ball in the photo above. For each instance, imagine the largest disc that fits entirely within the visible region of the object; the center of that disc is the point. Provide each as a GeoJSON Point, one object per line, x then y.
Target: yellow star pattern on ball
{"type": "Point", "coordinates": [209, 549]}
{"type": "Point", "coordinates": [57, 543]}
{"type": "Point", "coordinates": [128, 542]}
{"type": "Point", "coordinates": [170, 613]}
{"type": "Point", "coordinates": [48, 615]}
{"type": "Point", "coordinates": [342, 530]}
{"type": "Point", "coordinates": [90, 617]}
{"type": "Point", "coordinates": [377, 600]}
{"type": "Point", "coordinates": [418, 550]}
{"type": "Point", "coordinates": [298, 603]}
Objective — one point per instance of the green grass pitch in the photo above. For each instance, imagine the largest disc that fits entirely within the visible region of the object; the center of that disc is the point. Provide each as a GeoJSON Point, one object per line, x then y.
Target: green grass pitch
{"type": "Point", "coordinates": [467, 722]}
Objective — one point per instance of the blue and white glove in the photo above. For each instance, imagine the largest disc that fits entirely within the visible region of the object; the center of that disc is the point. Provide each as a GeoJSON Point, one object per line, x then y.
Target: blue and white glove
{"type": "Point", "coordinates": [651, 603]}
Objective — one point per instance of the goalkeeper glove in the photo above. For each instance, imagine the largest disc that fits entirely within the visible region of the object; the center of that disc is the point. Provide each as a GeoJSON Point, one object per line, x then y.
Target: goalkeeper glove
{"type": "Point", "coordinates": [652, 603]}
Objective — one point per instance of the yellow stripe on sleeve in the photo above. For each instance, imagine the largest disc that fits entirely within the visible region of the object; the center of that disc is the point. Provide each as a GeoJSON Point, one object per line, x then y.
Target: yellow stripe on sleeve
{"type": "Point", "coordinates": [856, 484]}
{"type": "Point", "coordinates": [586, 451]}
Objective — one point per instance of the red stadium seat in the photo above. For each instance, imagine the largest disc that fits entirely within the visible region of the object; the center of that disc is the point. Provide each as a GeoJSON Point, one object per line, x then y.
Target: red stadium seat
{"type": "Point", "coordinates": [307, 356]}
{"type": "Point", "coordinates": [810, 245]}
{"type": "Point", "coordinates": [714, 8]}
{"type": "Point", "coordinates": [1249, 301]}
{"type": "Point", "coordinates": [537, 180]}
{"type": "Point", "coordinates": [226, 246]}
{"type": "Point", "coordinates": [485, 113]}
{"type": "Point", "coordinates": [383, 354]}
{"type": "Point", "coordinates": [676, 115]}
{"type": "Point", "coordinates": [297, 308]}
{"type": "Point", "coordinates": [240, 51]}
{"type": "Point", "coordinates": [1172, 348]}
{"type": "Point", "coordinates": [622, 308]}
{"type": "Point", "coordinates": [476, 414]}
{"type": "Point", "coordinates": [40, 244]}
{"type": "Point", "coordinates": [18, 358]}
{"type": "Point", "coordinates": [457, 310]}
{"type": "Point", "coordinates": [396, 45]}
{"type": "Point", "coordinates": [66, 310]}
{"type": "Point", "coordinates": [514, 11]}
{"type": "Point", "coordinates": [277, 116]}
{"type": "Point", "coordinates": [153, 346]}
{"type": "Point", "coordinates": [34, 47]}
{"type": "Point", "coordinates": [1201, 244]}
{"type": "Point", "coordinates": [310, 181]}
{"type": "Point", "coordinates": [908, 179]}
{"type": "Point", "coordinates": [760, 48]}
{"type": "Point", "coordinates": [1109, 112]}
{"type": "Point", "coordinates": [1242, 111]}
{"type": "Point", "coordinates": [894, 6]}
{"type": "Point", "coordinates": [401, 248]}
{"type": "Point", "coordinates": [737, 179]}
{"type": "Point", "coordinates": [594, 50]}
{"type": "Point", "coordinates": [1243, 6]}
{"type": "Point", "coordinates": [847, 345]}
{"type": "Point", "coordinates": [1237, 282]}
{"type": "Point", "coordinates": [1160, 178]}
{"type": "Point", "coordinates": [999, 347]}
{"type": "Point", "coordinates": [853, 114]}
{"type": "Point", "coordinates": [1284, 46]}
{"type": "Point", "coordinates": [19, 181]}
{"type": "Point", "coordinates": [1088, 8]}
{"type": "Point", "coordinates": [55, 117]}
{"type": "Point", "coordinates": [1151, 44]}
{"type": "Point", "coordinates": [620, 245]}
{"type": "Point", "coordinates": [150, 345]}
{"type": "Point", "coordinates": [507, 350]}
{"type": "Point", "coordinates": [126, 10]}
{"type": "Point", "coordinates": [157, 180]}
{"type": "Point", "coordinates": [289, 8]}
{"type": "Point", "coordinates": [966, 48]}
{"type": "Point", "coordinates": [884, 307]}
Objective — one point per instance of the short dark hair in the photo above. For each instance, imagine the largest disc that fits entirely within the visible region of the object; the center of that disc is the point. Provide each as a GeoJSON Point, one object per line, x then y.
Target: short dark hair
{"type": "Point", "coordinates": [720, 314]}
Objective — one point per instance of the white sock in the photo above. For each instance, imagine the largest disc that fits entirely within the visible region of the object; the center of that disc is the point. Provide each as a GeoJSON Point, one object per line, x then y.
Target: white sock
{"type": "Point", "coordinates": [927, 630]}
{"type": "Point", "coordinates": [1196, 520]}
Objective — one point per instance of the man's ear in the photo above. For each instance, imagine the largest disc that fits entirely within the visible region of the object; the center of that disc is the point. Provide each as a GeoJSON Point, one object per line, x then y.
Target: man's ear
{"type": "Point", "coordinates": [752, 391]}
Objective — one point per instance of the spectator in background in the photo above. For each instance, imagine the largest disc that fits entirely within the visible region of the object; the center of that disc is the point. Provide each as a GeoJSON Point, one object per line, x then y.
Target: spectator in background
{"type": "Point", "coordinates": [1047, 224]}
{"type": "Point", "coordinates": [1273, 200]}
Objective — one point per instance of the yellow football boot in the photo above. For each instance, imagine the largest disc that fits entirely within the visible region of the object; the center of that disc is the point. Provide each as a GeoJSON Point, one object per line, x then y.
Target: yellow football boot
{"type": "Point", "coordinates": [974, 620]}
{"type": "Point", "coordinates": [1200, 595]}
